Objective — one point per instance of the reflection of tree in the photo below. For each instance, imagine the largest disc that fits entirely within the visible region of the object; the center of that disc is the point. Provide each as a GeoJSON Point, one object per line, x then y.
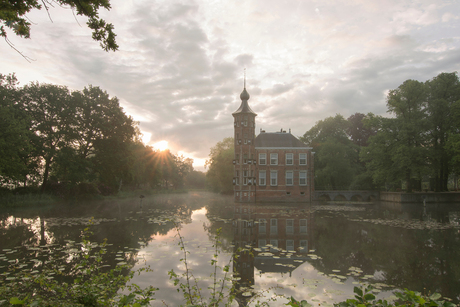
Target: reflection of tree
{"type": "Point", "coordinates": [406, 258]}
{"type": "Point", "coordinates": [126, 226]}
{"type": "Point", "coordinates": [220, 213]}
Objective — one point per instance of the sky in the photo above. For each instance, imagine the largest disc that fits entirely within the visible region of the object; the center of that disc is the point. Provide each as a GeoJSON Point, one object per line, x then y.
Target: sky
{"type": "Point", "coordinates": [180, 65]}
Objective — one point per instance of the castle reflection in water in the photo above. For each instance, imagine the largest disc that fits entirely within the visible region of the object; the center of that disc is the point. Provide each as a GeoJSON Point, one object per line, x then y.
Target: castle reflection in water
{"type": "Point", "coordinates": [269, 238]}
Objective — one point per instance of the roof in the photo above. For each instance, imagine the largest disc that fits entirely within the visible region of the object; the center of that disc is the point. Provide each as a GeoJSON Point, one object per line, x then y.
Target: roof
{"type": "Point", "coordinates": [244, 107]}
{"type": "Point", "coordinates": [278, 140]}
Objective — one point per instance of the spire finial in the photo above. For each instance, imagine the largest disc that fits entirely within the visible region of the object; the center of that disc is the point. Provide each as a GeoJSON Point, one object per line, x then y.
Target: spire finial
{"type": "Point", "coordinates": [244, 95]}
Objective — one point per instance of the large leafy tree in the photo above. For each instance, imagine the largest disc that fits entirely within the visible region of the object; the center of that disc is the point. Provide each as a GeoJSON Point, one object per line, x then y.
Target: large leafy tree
{"type": "Point", "coordinates": [443, 92]}
{"type": "Point", "coordinates": [330, 127]}
{"type": "Point", "coordinates": [220, 167]}
{"type": "Point", "coordinates": [336, 160]}
{"type": "Point", "coordinates": [13, 16]}
{"type": "Point", "coordinates": [15, 137]}
{"type": "Point", "coordinates": [378, 155]}
{"type": "Point", "coordinates": [52, 121]}
{"type": "Point", "coordinates": [408, 104]}
{"type": "Point", "coordinates": [357, 131]}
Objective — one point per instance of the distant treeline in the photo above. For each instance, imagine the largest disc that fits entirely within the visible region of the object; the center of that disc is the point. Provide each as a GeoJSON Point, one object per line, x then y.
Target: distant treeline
{"type": "Point", "coordinates": [416, 148]}
{"type": "Point", "coordinates": [76, 142]}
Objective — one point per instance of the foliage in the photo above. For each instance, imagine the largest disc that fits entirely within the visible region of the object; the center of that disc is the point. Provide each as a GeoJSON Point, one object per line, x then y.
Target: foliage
{"type": "Point", "coordinates": [357, 131]}
{"type": "Point", "coordinates": [90, 284]}
{"type": "Point", "coordinates": [365, 298]}
{"type": "Point", "coordinates": [220, 172]}
{"type": "Point", "coordinates": [443, 94]}
{"type": "Point", "coordinates": [336, 143]}
{"type": "Point", "coordinates": [195, 180]}
{"type": "Point", "coordinates": [15, 136]}
{"type": "Point", "coordinates": [420, 139]}
{"type": "Point", "coordinates": [13, 15]}
{"type": "Point", "coordinates": [80, 141]}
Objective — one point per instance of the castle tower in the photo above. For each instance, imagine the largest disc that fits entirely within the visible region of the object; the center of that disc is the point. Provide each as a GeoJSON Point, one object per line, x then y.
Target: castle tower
{"type": "Point", "coordinates": [244, 177]}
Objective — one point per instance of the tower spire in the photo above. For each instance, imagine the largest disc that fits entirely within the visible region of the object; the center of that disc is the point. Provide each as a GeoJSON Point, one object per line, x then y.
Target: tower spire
{"type": "Point", "coordinates": [244, 95]}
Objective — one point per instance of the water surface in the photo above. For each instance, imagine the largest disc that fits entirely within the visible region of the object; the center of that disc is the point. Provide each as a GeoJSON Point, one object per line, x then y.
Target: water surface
{"type": "Point", "coordinates": [317, 252]}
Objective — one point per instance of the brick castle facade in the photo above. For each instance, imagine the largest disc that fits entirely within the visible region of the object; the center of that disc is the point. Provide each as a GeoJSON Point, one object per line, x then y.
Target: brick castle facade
{"type": "Point", "coordinates": [272, 167]}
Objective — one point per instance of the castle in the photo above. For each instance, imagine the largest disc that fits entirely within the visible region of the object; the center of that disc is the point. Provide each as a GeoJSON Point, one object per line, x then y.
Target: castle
{"type": "Point", "coordinates": [272, 167]}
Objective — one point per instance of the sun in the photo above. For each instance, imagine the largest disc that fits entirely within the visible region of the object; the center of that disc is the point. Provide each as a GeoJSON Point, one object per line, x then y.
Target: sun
{"type": "Point", "coordinates": [161, 145]}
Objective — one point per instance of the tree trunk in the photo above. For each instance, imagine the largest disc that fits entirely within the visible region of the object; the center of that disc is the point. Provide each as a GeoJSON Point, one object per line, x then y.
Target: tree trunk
{"type": "Point", "coordinates": [45, 174]}
{"type": "Point", "coordinates": [408, 182]}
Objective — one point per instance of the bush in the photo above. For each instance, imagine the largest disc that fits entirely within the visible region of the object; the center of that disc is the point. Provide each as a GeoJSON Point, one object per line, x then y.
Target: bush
{"type": "Point", "coordinates": [365, 298]}
{"type": "Point", "coordinates": [90, 283]}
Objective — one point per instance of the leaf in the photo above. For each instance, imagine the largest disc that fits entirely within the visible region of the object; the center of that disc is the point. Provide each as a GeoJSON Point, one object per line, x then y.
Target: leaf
{"type": "Point", "coordinates": [435, 296]}
{"type": "Point", "coordinates": [16, 301]}
{"type": "Point", "coordinates": [358, 291]}
{"type": "Point", "coordinates": [369, 297]}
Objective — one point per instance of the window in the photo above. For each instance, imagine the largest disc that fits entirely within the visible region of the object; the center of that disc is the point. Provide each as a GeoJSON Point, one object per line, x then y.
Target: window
{"type": "Point", "coordinates": [273, 178]}
{"type": "Point", "coordinates": [262, 226]}
{"type": "Point", "coordinates": [273, 226]}
{"type": "Point", "coordinates": [262, 159]}
{"type": "Point", "coordinates": [302, 178]}
{"type": "Point", "coordinates": [273, 159]}
{"type": "Point", "coordinates": [289, 245]}
{"type": "Point", "coordinates": [303, 246]}
{"type": "Point", "coordinates": [245, 158]}
{"type": "Point", "coordinates": [237, 158]}
{"type": "Point", "coordinates": [274, 245]}
{"type": "Point", "coordinates": [262, 243]}
{"type": "Point", "coordinates": [289, 226]}
{"type": "Point", "coordinates": [289, 178]}
{"type": "Point", "coordinates": [303, 159]}
{"type": "Point", "coordinates": [289, 159]}
{"type": "Point", "coordinates": [303, 226]}
{"type": "Point", "coordinates": [262, 178]}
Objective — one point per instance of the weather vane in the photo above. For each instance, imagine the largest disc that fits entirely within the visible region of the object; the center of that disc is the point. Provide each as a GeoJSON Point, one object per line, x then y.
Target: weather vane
{"type": "Point", "coordinates": [245, 77]}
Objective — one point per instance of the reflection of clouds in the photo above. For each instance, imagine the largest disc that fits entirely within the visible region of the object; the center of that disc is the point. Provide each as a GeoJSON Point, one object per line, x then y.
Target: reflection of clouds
{"type": "Point", "coordinates": [164, 254]}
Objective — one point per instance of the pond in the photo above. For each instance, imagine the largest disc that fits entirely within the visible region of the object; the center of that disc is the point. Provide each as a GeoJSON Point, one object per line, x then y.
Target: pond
{"type": "Point", "coordinates": [317, 252]}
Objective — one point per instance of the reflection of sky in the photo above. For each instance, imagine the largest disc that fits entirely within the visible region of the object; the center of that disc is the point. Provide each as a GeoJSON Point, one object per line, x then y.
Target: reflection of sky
{"type": "Point", "coordinates": [163, 254]}
{"type": "Point", "coordinates": [119, 218]}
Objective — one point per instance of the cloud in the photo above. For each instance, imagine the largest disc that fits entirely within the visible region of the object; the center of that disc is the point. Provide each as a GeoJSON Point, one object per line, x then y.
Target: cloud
{"type": "Point", "coordinates": [179, 70]}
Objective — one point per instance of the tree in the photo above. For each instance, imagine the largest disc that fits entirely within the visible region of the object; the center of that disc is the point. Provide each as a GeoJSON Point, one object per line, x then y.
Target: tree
{"type": "Point", "coordinates": [13, 16]}
{"type": "Point", "coordinates": [337, 167]}
{"type": "Point", "coordinates": [336, 158]}
{"type": "Point", "coordinates": [99, 117]}
{"type": "Point", "coordinates": [220, 173]}
{"type": "Point", "coordinates": [378, 155]}
{"type": "Point", "coordinates": [195, 180]}
{"type": "Point", "coordinates": [443, 92]}
{"type": "Point", "coordinates": [184, 167]}
{"type": "Point", "coordinates": [358, 133]}
{"type": "Point", "coordinates": [52, 121]}
{"type": "Point", "coordinates": [408, 104]}
{"type": "Point", "coordinates": [334, 127]}
{"type": "Point", "coordinates": [15, 136]}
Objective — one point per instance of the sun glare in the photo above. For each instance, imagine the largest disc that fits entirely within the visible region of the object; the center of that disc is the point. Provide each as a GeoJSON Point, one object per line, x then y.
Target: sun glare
{"type": "Point", "coordinates": [161, 145]}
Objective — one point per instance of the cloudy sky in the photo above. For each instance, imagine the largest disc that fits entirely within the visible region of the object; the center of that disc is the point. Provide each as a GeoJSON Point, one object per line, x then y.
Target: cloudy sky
{"type": "Point", "coordinates": [179, 69]}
